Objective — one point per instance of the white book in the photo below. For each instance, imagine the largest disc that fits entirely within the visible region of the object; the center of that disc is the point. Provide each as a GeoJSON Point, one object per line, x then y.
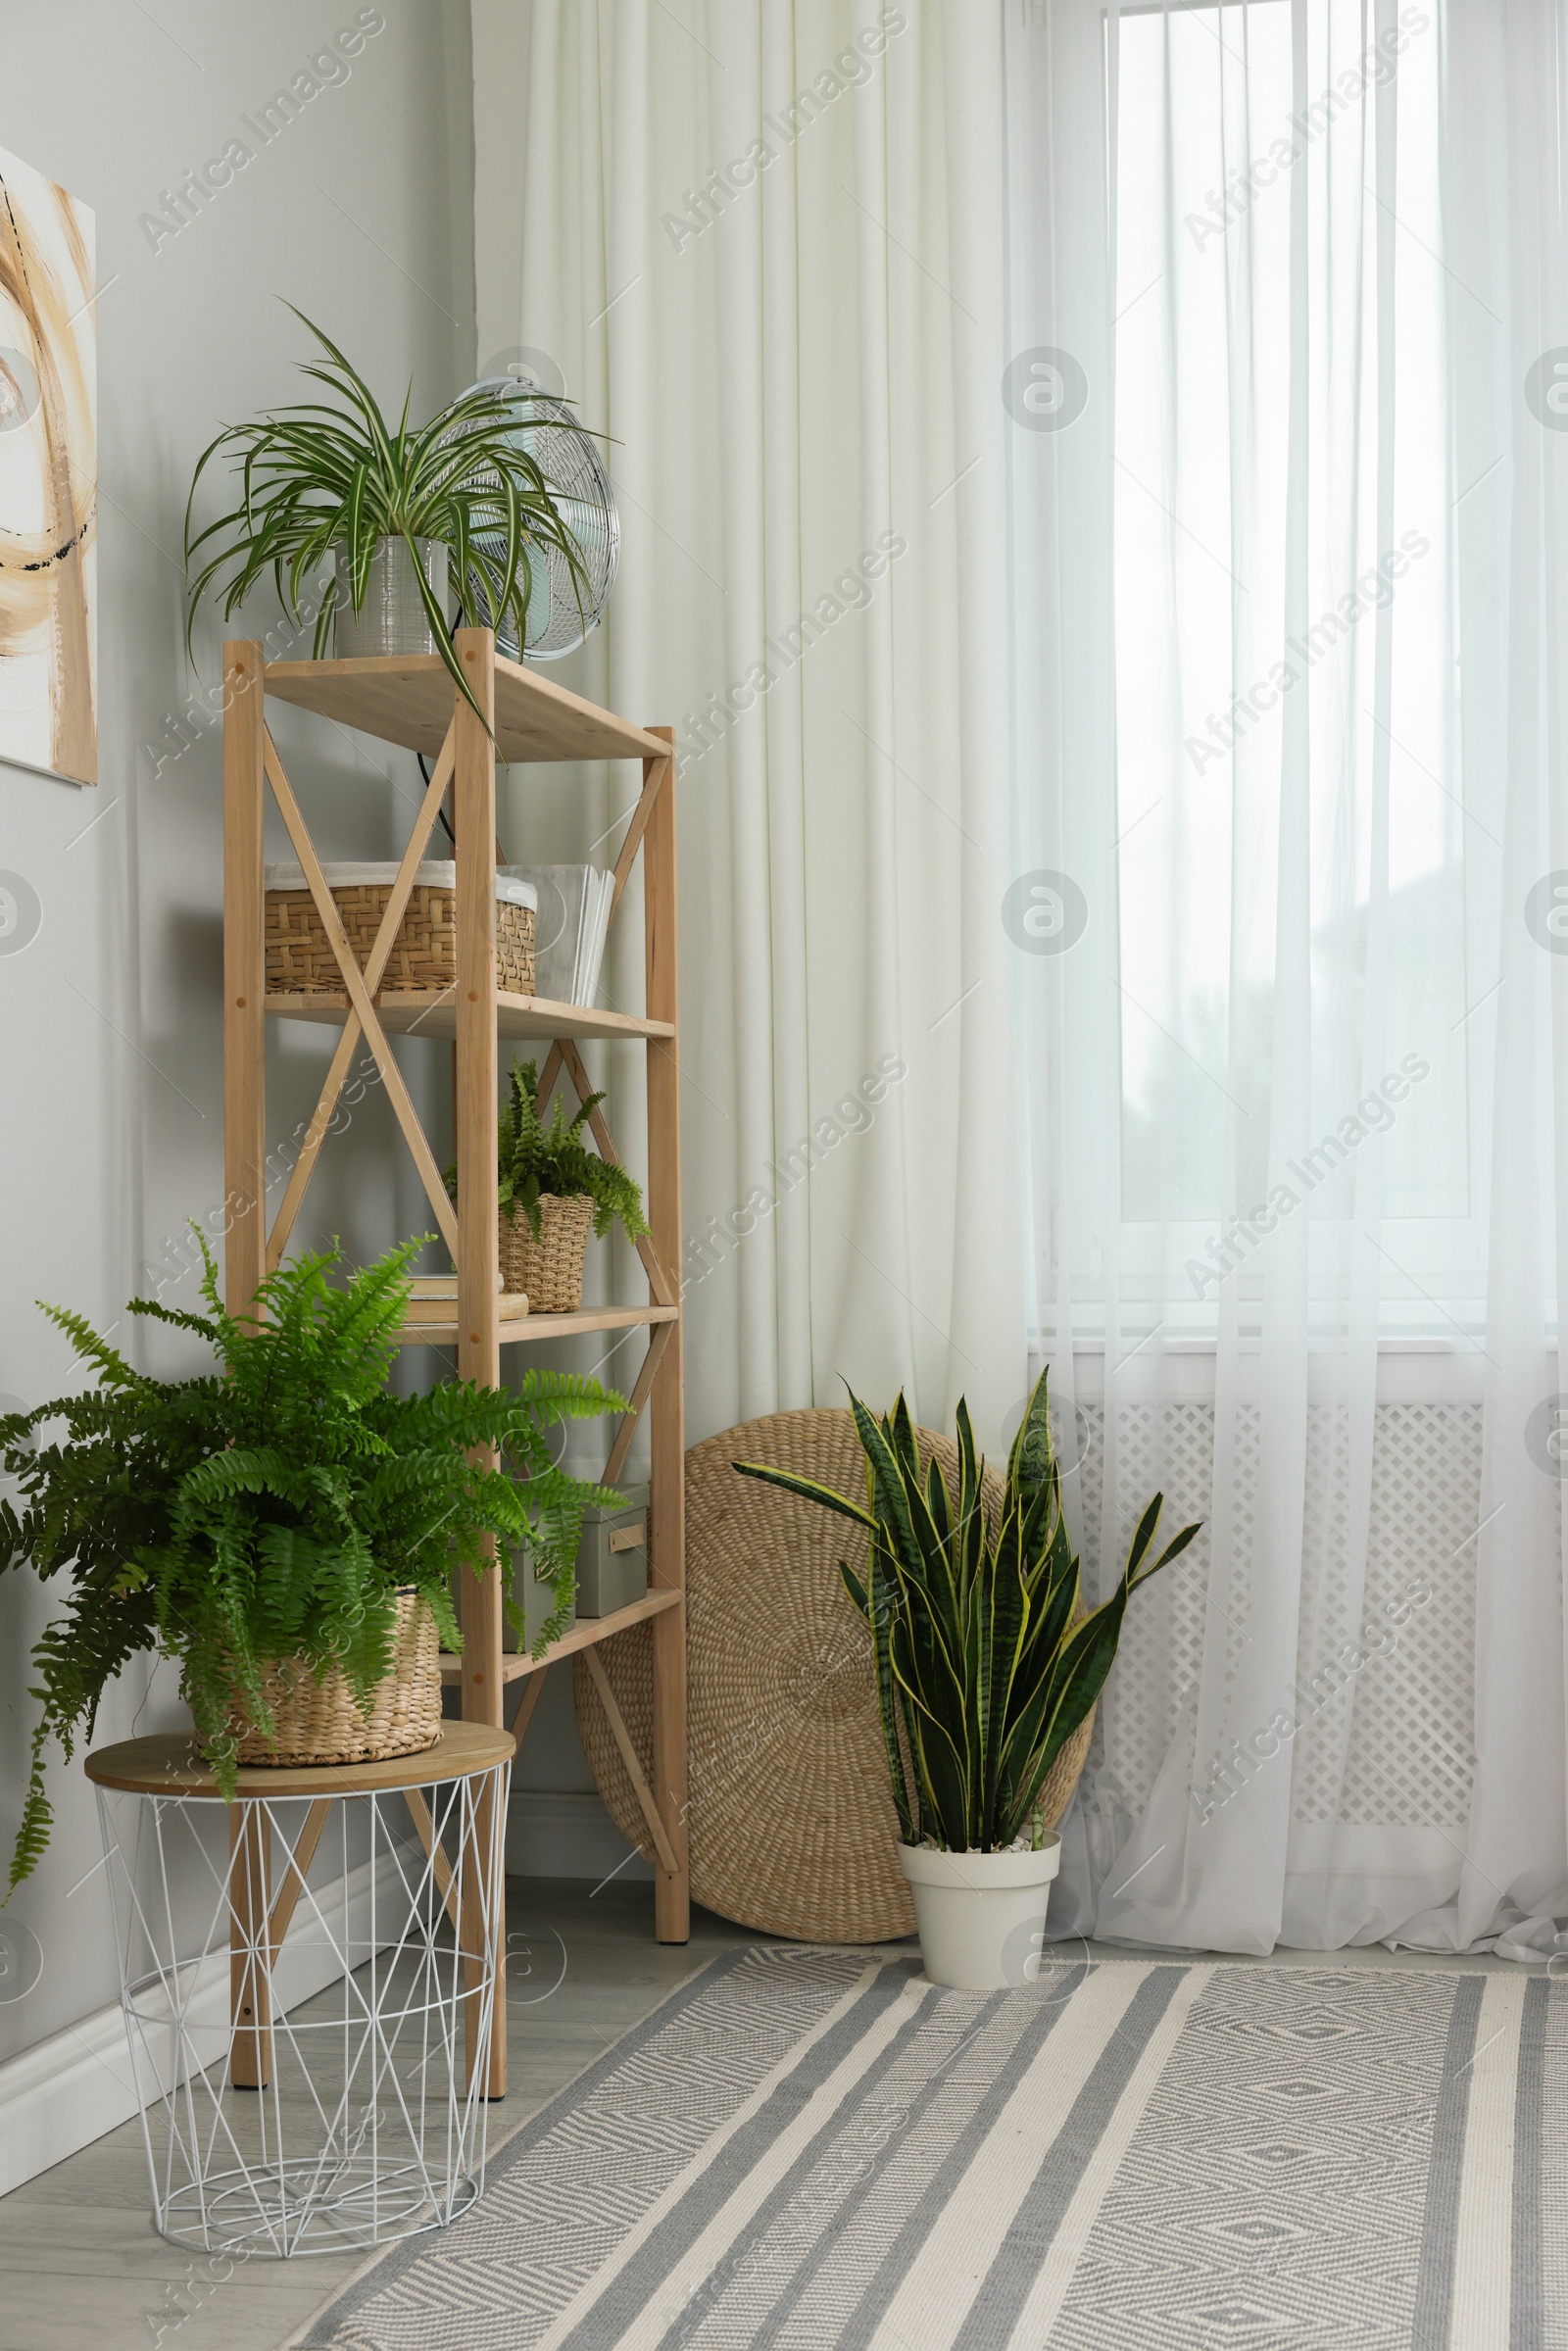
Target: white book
{"type": "Point", "coordinates": [571, 925]}
{"type": "Point", "coordinates": [595, 930]}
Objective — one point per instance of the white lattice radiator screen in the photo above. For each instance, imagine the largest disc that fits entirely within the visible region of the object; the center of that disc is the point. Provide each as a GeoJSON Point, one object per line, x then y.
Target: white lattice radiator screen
{"type": "Point", "coordinates": [1404, 1757]}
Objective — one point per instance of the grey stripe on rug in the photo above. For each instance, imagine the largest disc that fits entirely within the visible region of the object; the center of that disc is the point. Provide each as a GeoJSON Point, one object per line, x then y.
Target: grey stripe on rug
{"type": "Point", "coordinates": [803, 2149]}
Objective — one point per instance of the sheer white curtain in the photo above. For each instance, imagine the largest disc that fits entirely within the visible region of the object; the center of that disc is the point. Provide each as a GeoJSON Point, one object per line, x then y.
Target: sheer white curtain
{"type": "Point", "coordinates": [762, 245]}
{"type": "Point", "coordinates": [1289, 665]}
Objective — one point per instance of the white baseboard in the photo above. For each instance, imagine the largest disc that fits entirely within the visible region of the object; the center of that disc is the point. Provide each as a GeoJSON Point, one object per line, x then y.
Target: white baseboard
{"type": "Point", "coordinates": [63, 2093]}
{"type": "Point", "coordinates": [567, 1834]}
{"type": "Point", "coordinates": [68, 2091]}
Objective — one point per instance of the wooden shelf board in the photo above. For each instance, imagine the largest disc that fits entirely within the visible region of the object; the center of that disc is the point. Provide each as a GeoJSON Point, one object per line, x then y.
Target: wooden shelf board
{"type": "Point", "coordinates": [433, 1012]}
{"type": "Point", "coordinates": [409, 700]}
{"type": "Point", "coordinates": [537, 1327]}
{"type": "Point", "coordinates": [169, 1763]}
{"type": "Point", "coordinates": [582, 1635]}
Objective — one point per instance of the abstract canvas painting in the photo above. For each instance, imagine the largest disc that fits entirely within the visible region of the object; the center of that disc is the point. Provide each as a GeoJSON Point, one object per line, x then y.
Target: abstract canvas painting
{"type": "Point", "coordinates": [48, 477]}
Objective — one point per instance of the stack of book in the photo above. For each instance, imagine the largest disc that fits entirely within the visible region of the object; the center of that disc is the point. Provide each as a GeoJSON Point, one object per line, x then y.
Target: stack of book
{"type": "Point", "coordinates": [435, 1300]}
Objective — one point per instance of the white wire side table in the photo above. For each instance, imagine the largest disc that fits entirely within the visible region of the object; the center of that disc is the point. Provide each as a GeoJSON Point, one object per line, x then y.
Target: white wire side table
{"type": "Point", "coordinates": [309, 1978]}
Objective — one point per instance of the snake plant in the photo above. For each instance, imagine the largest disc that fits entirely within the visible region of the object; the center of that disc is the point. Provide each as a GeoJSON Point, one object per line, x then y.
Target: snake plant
{"type": "Point", "coordinates": [985, 1667]}
{"type": "Point", "coordinates": [320, 478]}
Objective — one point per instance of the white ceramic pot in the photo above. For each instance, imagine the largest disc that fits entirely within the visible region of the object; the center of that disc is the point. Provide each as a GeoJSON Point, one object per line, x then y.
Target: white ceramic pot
{"type": "Point", "coordinates": [981, 1916]}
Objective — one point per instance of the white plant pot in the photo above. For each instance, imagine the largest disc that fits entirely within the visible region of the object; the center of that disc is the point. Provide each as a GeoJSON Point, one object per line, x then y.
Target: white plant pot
{"type": "Point", "coordinates": [981, 1916]}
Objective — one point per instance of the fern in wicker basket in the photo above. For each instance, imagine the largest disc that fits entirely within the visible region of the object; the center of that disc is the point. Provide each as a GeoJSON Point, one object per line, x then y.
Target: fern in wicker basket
{"type": "Point", "coordinates": [551, 1190]}
{"type": "Point", "coordinates": [274, 1509]}
{"type": "Point", "coordinates": [535, 1161]}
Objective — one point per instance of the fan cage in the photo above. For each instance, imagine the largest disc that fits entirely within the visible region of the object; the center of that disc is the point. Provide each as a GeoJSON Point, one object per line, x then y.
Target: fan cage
{"type": "Point", "coordinates": [562, 609]}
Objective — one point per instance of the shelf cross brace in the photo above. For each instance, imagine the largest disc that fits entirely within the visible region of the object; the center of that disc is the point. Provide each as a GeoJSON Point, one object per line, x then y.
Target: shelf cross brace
{"type": "Point", "coordinates": [564, 1056]}
{"type": "Point", "coordinates": [381, 956]}
{"type": "Point", "coordinates": [629, 1757]}
{"type": "Point", "coordinates": [358, 995]}
{"type": "Point", "coordinates": [531, 1696]}
{"type": "Point", "coordinates": [440, 1867]}
{"type": "Point", "coordinates": [656, 774]}
{"type": "Point", "coordinates": [298, 1863]}
{"type": "Point", "coordinates": [636, 1402]}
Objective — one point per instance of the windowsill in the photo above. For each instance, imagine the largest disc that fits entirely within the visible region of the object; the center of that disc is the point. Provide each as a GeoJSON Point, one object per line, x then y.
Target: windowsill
{"type": "Point", "coordinates": [1421, 1370]}
{"type": "Point", "coordinates": [1317, 1344]}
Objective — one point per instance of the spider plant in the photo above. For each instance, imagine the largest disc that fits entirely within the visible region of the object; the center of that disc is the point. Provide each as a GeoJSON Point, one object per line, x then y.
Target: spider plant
{"type": "Point", "coordinates": [985, 1666]}
{"type": "Point", "coordinates": [323, 476]}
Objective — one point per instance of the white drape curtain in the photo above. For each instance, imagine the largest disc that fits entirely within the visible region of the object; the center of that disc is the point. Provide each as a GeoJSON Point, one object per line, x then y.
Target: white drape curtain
{"type": "Point", "coordinates": [1094, 494]}
{"type": "Point", "coordinates": [761, 242]}
{"type": "Point", "coordinates": [1289, 705]}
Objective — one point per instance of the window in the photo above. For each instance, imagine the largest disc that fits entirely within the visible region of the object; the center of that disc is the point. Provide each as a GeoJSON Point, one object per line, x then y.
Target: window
{"type": "Point", "coordinates": [1295, 851]}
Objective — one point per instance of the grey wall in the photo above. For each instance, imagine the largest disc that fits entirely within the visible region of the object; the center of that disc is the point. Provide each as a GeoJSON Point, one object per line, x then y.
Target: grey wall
{"type": "Point", "coordinates": [360, 212]}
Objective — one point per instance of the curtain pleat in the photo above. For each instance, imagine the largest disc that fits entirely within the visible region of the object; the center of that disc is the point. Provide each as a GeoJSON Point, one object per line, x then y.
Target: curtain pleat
{"type": "Point", "coordinates": [763, 244]}
{"type": "Point", "coordinates": [1308, 254]}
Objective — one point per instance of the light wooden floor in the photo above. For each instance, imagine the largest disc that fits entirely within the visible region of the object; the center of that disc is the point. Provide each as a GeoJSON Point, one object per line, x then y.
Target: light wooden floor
{"type": "Point", "coordinates": [81, 2266]}
{"type": "Point", "coordinates": [80, 2262]}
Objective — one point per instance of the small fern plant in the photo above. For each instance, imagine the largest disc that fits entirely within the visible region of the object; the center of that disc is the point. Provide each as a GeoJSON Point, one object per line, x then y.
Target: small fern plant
{"type": "Point", "coordinates": [534, 1159]}
{"type": "Point", "coordinates": [273, 1507]}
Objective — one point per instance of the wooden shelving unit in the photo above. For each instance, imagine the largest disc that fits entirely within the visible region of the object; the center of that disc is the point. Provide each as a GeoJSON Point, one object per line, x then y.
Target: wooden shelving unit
{"type": "Point", "coordinates": [415, 704]}
{"type": "Point", "coordinates": [585, 1634]}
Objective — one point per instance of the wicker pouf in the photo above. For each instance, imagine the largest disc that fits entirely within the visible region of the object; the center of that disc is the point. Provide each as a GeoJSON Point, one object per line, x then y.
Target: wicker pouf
{"type": "Point", "coordinates": [790, 1816]}
{"type": "Point", "coordinates": [549, 1268]}
{"type": "Point", "coordinates": [300, 961]}
{"type": "Point", "coordinates": [319, 1722]}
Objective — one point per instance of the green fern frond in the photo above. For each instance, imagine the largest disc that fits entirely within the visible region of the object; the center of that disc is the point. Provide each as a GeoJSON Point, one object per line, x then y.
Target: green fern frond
{"type": "Point", "coordinates": [110, 1365]}
{"type": "Point", "coordinates": [273, 1509]}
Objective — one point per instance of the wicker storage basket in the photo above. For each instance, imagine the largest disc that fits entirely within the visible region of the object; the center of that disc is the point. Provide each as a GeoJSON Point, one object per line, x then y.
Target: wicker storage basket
{"type": "Point", "coordinates": [789, 1813]}
{"type": "Point", "coordinates": [549, 1269]}
{"type": "Point", "coordinates": [318, 1721]}
{"type": "Point", "coordinates": [300, 963]}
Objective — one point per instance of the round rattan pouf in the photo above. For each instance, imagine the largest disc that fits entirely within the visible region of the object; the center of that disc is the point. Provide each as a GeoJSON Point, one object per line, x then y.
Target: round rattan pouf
{"type": "Point", "coordinates": [791, 1820]}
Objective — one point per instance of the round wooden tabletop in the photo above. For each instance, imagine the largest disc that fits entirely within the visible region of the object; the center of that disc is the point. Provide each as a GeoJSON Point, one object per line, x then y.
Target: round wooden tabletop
{"type": "Point", "coordinates": [171, 1764]}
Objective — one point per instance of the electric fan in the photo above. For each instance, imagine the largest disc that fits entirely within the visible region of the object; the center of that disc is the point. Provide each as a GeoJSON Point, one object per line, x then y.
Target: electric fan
{"type": "Point", "coordinates": [561, 606]}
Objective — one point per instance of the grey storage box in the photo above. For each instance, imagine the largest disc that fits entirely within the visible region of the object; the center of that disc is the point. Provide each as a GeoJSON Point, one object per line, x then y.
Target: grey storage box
{"type": "Point", "coordinates": [537, 1601]}
{"type": "Point", "coordinates": [611, 1568]}
{"type": "Point", "coordinates": [612, 1560]}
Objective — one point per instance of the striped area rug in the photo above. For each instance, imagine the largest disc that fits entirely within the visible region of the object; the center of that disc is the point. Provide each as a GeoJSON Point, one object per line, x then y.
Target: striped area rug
{"type": "Point", "coordinates": [802, 2149]}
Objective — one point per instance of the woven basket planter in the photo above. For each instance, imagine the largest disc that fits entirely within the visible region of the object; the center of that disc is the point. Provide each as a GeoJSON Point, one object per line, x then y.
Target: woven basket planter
{"type": "Point", "coordinates": [549, 1269]}
{"type": "Point", "coordinates": [424, 954]}
{"type": "Point", "coordinates": [319, 1722]}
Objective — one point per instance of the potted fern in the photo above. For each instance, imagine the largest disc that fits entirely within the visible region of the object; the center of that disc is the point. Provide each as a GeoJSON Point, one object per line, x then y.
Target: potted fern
{"type": "Point", "coordinates": [456, 508]}
{"type": "Point", "coordinates": [551, 1191]}
{"type": "Point", "coordinates": [986, 1665]}
{"type": "Point", "coordinates": [283, 1525]}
